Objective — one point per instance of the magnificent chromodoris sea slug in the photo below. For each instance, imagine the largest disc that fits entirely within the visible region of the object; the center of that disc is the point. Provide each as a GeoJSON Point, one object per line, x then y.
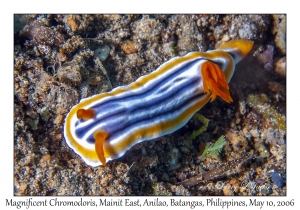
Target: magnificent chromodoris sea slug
{"type": "Point", "coordinates": [105, 126]}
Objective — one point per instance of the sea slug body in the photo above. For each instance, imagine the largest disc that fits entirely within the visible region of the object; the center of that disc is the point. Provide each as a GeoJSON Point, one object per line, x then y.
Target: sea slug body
{"type": "Point", "coordinates": [103, 127]}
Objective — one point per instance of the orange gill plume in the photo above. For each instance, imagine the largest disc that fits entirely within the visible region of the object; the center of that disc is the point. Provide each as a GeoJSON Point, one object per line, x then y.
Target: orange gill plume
{"type": "Point", "coordinates": [214, 82]}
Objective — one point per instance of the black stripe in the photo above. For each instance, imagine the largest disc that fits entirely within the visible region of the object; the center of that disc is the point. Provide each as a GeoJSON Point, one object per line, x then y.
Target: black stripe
{"type": "Point", "coordinates": [158, 115]}
{"type": "Point", "coordinates": [140, 107]}
{"type": "Point", "coordinates": [120, 128]}
{"type": "Point", "coordinates": [150, 89]}
{"type": "Point", "coordinates": [112, 109]}
{"type": "Point", "coordinates": [107, 106]}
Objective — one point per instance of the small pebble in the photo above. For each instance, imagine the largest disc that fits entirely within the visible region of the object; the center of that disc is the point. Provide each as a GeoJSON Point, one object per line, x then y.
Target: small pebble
{"type": "Point", "coordinates": [242, 107]}
{"type": "Point", "coordinates": [59, 119]}
{"type": "Point", "coordinates": [280, 67]}
{"type": "Point", "coordinates": [31, 114]}
{"type": "Point", "coordinates": [95, 80]}
{"type": "Point", "coordinates": [25, 161]}
{"type": "Point", "coordinates": [227, 190]}
{"type": "Point", "coordinates": [254, 133]}
{"type": "Point", "coordinates": [45, 158]}
{"type": "Point", "coordinates": [45, 113]}
{"type": "Point", "coordinates": [102, 53]}
{"type": "Point", "coordinates": [277, 179]}
{"type": "Point", "coordinates": [232, 124]}
{"type": "Point", "coordinates": [128, 47]}
{"type": "Point", "coordinates": [71, 23]}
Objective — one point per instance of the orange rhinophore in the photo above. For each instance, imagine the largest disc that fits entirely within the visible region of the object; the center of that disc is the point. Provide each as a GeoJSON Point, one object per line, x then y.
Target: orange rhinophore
{"type": "Point", "coordinates": [85, 114]}
{"type": "Point", "coordinates": [100, 136]}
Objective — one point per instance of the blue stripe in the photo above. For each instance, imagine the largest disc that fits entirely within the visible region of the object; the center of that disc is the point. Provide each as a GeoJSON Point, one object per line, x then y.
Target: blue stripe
{"type": "Point", "coordinates": [119, 127]}
{"type": "Point", "coordinates": [150, 90]}
{"type": "Point", "coordinates": [114, 105]}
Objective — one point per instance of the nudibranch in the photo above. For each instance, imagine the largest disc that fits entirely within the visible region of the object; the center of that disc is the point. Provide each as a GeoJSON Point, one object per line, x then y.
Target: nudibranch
{"type": "Point", "coordinates": [105, 126]}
